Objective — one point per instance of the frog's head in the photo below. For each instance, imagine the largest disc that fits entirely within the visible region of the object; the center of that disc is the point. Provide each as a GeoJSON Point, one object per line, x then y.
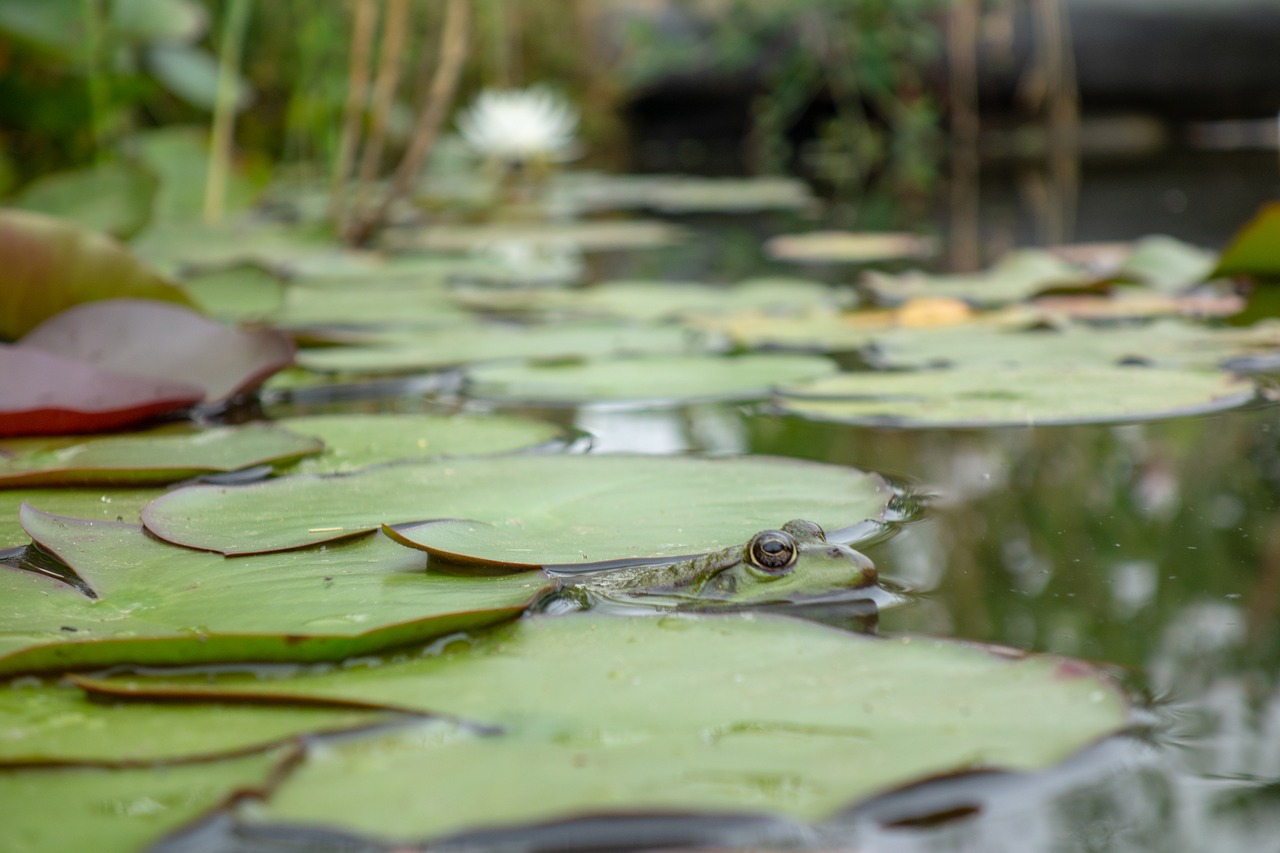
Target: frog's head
{"type": "Point", "coordinates": [793, 563]}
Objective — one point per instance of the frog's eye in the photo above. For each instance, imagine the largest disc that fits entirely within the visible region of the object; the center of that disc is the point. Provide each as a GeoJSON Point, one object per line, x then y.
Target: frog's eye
{"type": "Point", "coordinates": [772, 551]}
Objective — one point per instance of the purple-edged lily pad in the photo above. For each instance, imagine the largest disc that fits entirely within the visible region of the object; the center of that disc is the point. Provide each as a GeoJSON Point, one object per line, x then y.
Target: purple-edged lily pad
{"type": "Point", "coordinates": [165, 342]}
{"type": "Point", "coordinates": [46, 394]}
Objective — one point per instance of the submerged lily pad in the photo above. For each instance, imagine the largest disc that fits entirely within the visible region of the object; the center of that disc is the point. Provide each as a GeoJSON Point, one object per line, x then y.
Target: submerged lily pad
{"type": "Point", "coordinates": [156, 341]}
{"type": "Point", "coordinates": [1016, 396]}
{"type": "Point", "coordinates": [743, 714]}
{"type": "Point", "coordinates": [354, 441]}
{"type": "Point", "coordinates": [52, 809]}
{"type": "Point", "coordinates": [666, 379]}
{"type": "Point", "coordinates": [451, 347]}
{"type": "Point", "coordinates": [44, 723]}
{"type": "Point", "coordinates": [641, 506]}
{"type": "Point", "coordinates": [46, 394]}
{"type": "Point", "coordinates": [161, 456]}
{"type": "Point", "coordinates": [51, 264]}
{"type": "Point", "coordinates": [158, 604]}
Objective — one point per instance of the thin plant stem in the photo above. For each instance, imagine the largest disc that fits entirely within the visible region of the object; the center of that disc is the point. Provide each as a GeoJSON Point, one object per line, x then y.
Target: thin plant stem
{"type": "Point", "coordinates": [364, 17]}
{"type": "Point", "coordinates": [394, 25]}
{"type": "Point", "coordinates": [96, 80]}
{"type": "Point", "coordinates": [234, 28]}
{"type": "Point", "coordinates": [444, 84]}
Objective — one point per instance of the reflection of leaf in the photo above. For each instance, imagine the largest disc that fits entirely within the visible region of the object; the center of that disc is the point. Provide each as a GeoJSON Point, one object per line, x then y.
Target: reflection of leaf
{"type": "Point", "coordinates": [163, 456]}
{"type": "Point", "coordinates": [159, 604]}
{"type": "Point", "coordinates": [50, 265]}
{"type": "Point", "coordinates": [644, 506]}
{"type": "Point", "coordinates": [46, 394]}
{"type": "Point", "coordinates": [108, 197]}
{"type": "Point", "coordinates": [740, 714]}
{"type": "Point", "coordinates": [89, 808]}
{"type": "Point", "coordinates": [652, 379]}
{"type": "Point", "coordinates": [165, 343]}
{"type": "Point", "coordinates": [1014, 396]}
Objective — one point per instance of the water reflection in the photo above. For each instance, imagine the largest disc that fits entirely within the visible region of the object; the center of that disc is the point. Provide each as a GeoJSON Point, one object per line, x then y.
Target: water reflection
{"type": "Point", "coordinates": [1148, 546]}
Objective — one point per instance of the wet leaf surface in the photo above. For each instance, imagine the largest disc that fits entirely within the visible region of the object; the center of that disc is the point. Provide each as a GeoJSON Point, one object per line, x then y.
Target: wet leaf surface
{"type": "Point", "coordinates": [51, 264]}
{"type": "Point", "coordinates": [85, 808]}
{"type": "Point", "coordinates": [644, 506]}
{"type": "Point", "coordinates": [354, 441]}
{"type": "Point", "coordinates": [656, 379]}
{"type": "Point", "coordinates": [738, 713]}
{"type": "Point", "coordinates": [164, 343]}
{"type": "Point", "coordinates": [1014, 396]}
{"type": "Point", "coordinates": [159, 604]}
{"type": "Point", "coordinates": [43, 393]}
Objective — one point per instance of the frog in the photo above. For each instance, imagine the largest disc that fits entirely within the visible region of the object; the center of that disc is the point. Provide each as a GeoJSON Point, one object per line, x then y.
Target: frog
{"type": "Point", "coordinates": [794, 562]}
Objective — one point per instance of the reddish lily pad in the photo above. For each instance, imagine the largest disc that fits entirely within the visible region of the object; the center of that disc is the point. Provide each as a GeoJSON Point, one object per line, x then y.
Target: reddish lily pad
{"type": "Point", "coordinates": [167, 343]}
{"type": "Point", "coordinates": [43, 393]}
{"type": "Point", "coordinates": [50, 264]}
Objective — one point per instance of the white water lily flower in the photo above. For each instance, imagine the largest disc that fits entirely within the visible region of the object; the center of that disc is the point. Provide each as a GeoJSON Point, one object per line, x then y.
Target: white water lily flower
{"type": "Point", "coordinates": [520, 125]}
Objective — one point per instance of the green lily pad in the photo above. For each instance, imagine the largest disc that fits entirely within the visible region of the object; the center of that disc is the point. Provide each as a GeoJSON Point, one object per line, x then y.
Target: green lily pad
{"type": "Point", "coordinates": [100, 504]}
{"type": "Point", "coordinates": [596, 235]}
{"type": "Point", "coordinates": [450, 347]}
{"type": "Point", "coordinates": [51, 264]}
{"type": "Point", "coordinates": [1255, 248]}
{"type": "Point", "coordinates": [848, 247]}
{"type": "Point", "coordinates": [1168, 344]}
{"type": "Point", "coordinates": [1019, 275]}
{"type": "Point", "coordinates": [1167, 264]}
{"type": "Point", "coordinates": [56, 724]}
{"type": "Point", "coordinates": [179, 157]}
{"type": "Point", "coordinates": [661, 300]}
{"type": "Point", "coordinates": [1014, 396]}
{"type": "Point", "coordinates": [354, 441]}
{"type": "Point", "coordinates": [160, 456]}
{"type": "Point", "coordinates": [643, 506]}
{"type": "Point", "coordinates": [812, 331]}
{"type": "Point", "coordinates": [666, 379]}
{"type": "Point", "coordinates": [53, 809]}
{"type": "Point", "coordinates": [682, 194]}
{"type": "Point", "coordinates": [158, 604]}
{"type": "Point", "coordinates": [369, 306]}
{"type": "Point", "coordinates": [109, 197]}
{"type": "Point", "coordinates": [239, 293]}
{"type": "Point", "coordinates": [738, 713]}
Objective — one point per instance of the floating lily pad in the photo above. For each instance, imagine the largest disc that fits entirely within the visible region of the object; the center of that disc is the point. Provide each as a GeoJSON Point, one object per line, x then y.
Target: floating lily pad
{"type": "Point", "coordinates": [354, 441]}
{"type": "Point", "coordinates": [162, 456]}
{"type": "Point", "coordinates": [665, 379]}
{"type": "Point", "coordinates": [179, 157]}
{"type": "Point", "coordinates": [1168, 264]}
{"type": "Point", "coordinates": [109, 197]}
{"type": "Point", "coordinates": [682, 194]}
{"type": "Point", "coordinates": [1255, 248]}
{"type": "Point", "coordinates": [848, 247]}
{"type": "Point", "coordinates": [56, 724]}
{"type": "Point", "coordinates": [239, 293]}
{"type": "Point", "coordinates": [451, 347]}
{"type": "Point", "coordinates": [1168, 344]}
{"type": "Point", "coordinates": [662, 300]}
{"type": "Point", "coordinates": [46, 394]}
{"type": "Point", "coordinates": [53, 809]}
{"type": "Point", "coordinates": [599, 235]}
{"type": "Point", "coordinates": [368, 306]}
{"type": "Point", "coordinates": [99, 504]}
{"type": "Point", "coordinates": [642, 506]}
{"type": "Point", "coordinates": [743, 714]}
{"type": "Point", "coordinates": [815, 331]}
{"type": "Point", "coordinates": [158, 604]}
{"type": "Point", "coordinates": [1019, 275]}
{"type": "Point", "coordinates": [51, 264]}
{"type": "Point", "coordinates": [1016, 396]}
{"type": "Point", "coordinates": [162, 342]}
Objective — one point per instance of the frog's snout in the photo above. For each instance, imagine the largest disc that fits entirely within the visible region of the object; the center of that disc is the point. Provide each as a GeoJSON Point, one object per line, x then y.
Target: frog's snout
{"type": "Point", "coordinates": [862, 563]}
